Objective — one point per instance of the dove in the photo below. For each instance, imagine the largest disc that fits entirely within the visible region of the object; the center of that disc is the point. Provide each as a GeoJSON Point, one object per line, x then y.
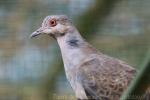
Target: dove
{"type": "Point", "coordinates": [92, 74]}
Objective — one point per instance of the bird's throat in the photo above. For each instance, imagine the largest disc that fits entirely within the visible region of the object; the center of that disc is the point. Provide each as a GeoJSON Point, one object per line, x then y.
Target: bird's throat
{"type": "Point", "coordinates": [72, 49]}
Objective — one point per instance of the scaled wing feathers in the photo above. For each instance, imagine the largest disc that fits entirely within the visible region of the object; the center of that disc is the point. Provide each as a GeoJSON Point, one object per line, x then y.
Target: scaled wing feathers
{"type": "Point", "coordinates": [105, 78]}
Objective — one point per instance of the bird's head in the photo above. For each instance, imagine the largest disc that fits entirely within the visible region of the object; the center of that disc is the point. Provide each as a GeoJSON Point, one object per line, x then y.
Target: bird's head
{"type": "Point", "coordinates": [53, 25]}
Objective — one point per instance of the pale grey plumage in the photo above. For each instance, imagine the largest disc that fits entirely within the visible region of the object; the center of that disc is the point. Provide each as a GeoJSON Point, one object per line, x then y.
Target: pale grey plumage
{"type": "Point", "coordinates": [91, 74]}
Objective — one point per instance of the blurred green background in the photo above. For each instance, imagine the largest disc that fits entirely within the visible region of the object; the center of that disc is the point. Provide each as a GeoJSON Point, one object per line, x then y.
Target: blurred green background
{"type": "Point", "coordinates": [32, 69]}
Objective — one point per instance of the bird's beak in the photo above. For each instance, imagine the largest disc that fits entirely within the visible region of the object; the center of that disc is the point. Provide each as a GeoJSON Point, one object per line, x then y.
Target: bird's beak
{"type": "Point", "coordinates": [37, 32]}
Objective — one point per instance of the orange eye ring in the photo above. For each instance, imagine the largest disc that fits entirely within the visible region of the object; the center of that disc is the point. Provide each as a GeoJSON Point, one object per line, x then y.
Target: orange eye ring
{"type": "Point", "coordinates": [52, 22]}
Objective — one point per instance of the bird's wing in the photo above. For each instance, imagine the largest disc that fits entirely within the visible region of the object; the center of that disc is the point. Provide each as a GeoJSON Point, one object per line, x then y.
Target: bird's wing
{"type": "Point", "coordinates": [105, 77]}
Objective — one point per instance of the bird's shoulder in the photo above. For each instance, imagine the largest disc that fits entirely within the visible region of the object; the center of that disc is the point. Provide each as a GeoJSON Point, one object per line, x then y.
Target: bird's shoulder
{"type": "Point", "coordinates": [106, 64]}
{"type": "Point", "coordinates": [105, 76]}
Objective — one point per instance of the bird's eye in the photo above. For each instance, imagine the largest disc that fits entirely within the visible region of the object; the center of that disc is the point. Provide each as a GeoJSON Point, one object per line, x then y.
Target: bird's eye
{"type": "Point", "coordinates": [52, 22]}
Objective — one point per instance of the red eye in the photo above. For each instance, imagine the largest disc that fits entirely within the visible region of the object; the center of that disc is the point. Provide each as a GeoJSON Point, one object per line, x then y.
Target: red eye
{"type": "Point", "coordinates": [52, 22]}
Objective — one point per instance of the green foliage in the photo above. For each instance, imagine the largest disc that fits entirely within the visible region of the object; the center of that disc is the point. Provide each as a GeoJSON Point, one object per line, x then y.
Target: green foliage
{"type": "Point", "coordinates": [141, 83]}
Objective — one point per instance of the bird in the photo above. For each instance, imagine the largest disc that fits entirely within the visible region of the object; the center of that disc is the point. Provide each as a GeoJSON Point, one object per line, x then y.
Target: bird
{"type": "Point", "coordinates": [92, 74]}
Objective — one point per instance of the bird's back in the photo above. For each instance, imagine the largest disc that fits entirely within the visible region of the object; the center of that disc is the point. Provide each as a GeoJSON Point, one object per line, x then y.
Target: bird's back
{"type": "Point", "coordinates": [104, 77]}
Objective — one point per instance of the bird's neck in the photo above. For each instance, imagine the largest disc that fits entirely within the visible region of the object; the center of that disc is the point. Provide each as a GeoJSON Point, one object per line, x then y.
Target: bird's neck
{"type": "Point", "coordinates": [73, 48]}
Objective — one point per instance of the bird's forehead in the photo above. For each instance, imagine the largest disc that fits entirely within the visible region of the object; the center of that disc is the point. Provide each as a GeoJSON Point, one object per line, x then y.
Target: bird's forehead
{"type": "Point", "coordinates": [57, 17]}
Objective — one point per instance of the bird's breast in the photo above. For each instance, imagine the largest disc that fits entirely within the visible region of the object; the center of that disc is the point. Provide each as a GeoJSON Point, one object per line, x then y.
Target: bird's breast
{"type": "Point", "coordinates": [75, 83]}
